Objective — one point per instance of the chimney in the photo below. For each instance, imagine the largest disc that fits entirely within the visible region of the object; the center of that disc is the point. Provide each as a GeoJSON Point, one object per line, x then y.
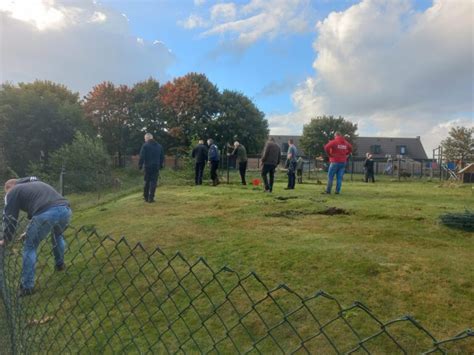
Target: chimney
{"type": "Point", "coordinates": [418, 137]}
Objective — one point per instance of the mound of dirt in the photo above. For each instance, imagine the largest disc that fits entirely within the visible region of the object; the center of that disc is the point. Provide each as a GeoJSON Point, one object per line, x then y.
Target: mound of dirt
{"type": "Point", "coordinates": [331, 211]}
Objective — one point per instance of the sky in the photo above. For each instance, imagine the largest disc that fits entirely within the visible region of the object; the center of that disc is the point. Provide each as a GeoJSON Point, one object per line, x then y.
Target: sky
{"type": "Point", "coordinates": [396, 68]}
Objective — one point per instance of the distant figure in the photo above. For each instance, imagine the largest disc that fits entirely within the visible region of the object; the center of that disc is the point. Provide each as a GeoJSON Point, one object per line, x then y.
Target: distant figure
{"type": "Point", "coordinates": [291, 159]}
{"type": "Point", "coordinates": [241, 153]}
{"type": "Point", "coordinates": [369, 168]}
{"type": "Point", "coordinates": [48, 212]}
{"type": "Point", "coordinates": [152, 157]}
{"type": "Point", "coordinates": [338, 151]}
{"type": "Point", "coordinates": [200, 155]}
{"type": "Point", "coordinates": [299, 170]}
{"type": "Point", "coordinates": [214, 158]}
{"type": "Point", "coordinates": [270, 159]}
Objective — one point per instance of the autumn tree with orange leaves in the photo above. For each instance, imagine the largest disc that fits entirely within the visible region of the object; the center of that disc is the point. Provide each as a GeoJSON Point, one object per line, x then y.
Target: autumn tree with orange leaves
{"type": "Point", "coordinates": [108, 108]}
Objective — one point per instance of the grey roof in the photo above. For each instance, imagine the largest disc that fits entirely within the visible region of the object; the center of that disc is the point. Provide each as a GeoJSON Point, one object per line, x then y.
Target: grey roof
{"type": "Point", "coordinates": [414, 148]}
{"type": "Point", "coordinates": [388, 146]}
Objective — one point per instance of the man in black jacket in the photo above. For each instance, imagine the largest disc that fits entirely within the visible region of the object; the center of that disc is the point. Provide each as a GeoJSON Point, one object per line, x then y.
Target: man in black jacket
{"type": "Point", "coordinates": [48, 212]}
{"type": "Point", "coordinates": [369, 168]}
{"type": "Point", "coordinates": [152, 157]}
{"type": "Point", "coordinates": [200, 156]}
{"type": "Point", "coordinates": [270, 159]}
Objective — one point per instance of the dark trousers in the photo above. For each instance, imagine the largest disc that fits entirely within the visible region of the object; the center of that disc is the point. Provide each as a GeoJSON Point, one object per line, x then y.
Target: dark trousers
{"type": "Point", "coordinates": [299, 174]}
{"type": "Point", "coordinates": [242, 171]}
{"type": "Point", "coordinates": [151, 180]}
{"type": "Point", "coordinates": [291, 175]}
{"type": "Point", "coordinates": [369, 174]}
{"type": "Point", "coordinates": [199, 171]}
{"type": "Point", "coordinates": [214, 166]}
{"type": "Point", "coordinates": [268, 169]}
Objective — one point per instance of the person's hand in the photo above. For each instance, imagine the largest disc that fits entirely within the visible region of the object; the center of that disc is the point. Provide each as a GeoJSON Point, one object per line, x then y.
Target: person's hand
{"type": "Point", "coordinates": [2, 242]}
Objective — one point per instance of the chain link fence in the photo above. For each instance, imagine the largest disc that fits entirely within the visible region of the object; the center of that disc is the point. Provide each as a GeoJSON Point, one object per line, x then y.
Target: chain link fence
{"type": "Point", "coordinates": [117, 297]}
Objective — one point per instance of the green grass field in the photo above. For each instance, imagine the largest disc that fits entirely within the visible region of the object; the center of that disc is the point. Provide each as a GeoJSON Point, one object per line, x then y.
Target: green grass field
{"type": "Point", "coordinates": [389, 251]}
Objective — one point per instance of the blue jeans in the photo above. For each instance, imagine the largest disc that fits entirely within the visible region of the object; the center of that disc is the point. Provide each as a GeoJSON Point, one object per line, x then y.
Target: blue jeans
{"type": "Point", "coordinates": [55, 221]}
{"type": "Point", "coordinates": [337, 169]}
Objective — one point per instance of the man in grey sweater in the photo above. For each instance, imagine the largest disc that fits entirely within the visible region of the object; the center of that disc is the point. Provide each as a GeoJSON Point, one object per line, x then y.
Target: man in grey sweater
{"type": "Point", "coordinates": [48, 212]}
{"type": "Point", "coordinates": [270, 159]}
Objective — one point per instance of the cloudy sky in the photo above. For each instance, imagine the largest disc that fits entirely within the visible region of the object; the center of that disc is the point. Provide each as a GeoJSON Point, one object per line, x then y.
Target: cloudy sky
{"type": "Point", "coordinates": [396, 67]}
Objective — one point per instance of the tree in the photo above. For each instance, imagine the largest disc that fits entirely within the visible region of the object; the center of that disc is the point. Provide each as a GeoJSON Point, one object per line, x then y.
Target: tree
{"type": "Point", "coordinates": [321, 129]}
{"type": "Point", "coordinates": [190, 104]}
{"type": "Point", "coordinates": [108, 108]}
{"type": "Point", "coordinates": [239, 119]}
{"type": "Point", "coordinates": [146, 115]}
{"type": "Point", "coordinates": [459, 145]}
{"type": "Point", "coordinates": [85, 161]}
{"type": "Point", "coordinates": [36, 119]}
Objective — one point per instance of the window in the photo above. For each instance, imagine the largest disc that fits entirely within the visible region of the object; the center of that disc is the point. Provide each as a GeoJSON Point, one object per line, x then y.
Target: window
{"type": "Point", "coordinates": [401, 149]}
{"type": "Point", "coordinates": [375, 149]}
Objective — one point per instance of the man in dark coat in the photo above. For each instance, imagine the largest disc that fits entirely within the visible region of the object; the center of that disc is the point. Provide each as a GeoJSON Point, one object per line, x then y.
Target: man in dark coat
{"type": "Point", "coordinates": [369, 168]}
{"type": "Point", "coordinates": [200, 155]}
{"type": "Point", "coordinates": [214, 158]}
{"type": "Point", "coordinates": [152, 157]}
{"type": "Point", "coordinates": [48, 212]}
{"type": "Point", "coordinates": [241, 154]}
{"type": "Point", "coordinates": [270, 159]}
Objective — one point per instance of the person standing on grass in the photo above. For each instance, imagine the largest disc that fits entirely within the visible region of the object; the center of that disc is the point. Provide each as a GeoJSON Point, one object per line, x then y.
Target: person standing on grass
{"type": "Point", "coordinates": [152, 157]}
{"type": "Point", "coordinates": [299, 170]}
{"type": "Point", "coordinates": [200, 155]}
{"type": "Point", "coordinates": [291, 158]}
{"type": "Point", "coordinates": [338, 150]}
{"type": "Point", "coordinates": [48, 212]}
{"type": "Point", "coordinates": [241, 154]}
{"type": "Point", "coordinates": [214, 159]}
{"type": "Point", "coordinates": [369, 168]}
{"type": "Point", "coordinates": [270, 159]}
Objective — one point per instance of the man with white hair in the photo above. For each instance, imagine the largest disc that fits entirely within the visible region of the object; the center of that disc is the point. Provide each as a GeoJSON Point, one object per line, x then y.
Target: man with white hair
{"type": "Point", "coordinates": [48, 212]}
{"type": "Point", "coordinates": [241, 153]}
{"type": "Point", "coordinates": [214, 159]}
{"type": "Point", "coordinates": [152, 157]}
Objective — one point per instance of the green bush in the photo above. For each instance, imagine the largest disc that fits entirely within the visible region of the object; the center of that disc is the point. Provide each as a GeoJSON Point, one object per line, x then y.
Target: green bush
{"type": "Point", "coordinates": [86, 164]}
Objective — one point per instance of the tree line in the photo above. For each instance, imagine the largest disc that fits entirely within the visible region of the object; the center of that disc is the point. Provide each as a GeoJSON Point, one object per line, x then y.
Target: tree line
{"type": "Point", "coordinates": [39, 118]}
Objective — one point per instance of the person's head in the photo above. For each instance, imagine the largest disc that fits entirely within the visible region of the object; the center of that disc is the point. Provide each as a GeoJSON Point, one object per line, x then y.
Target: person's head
{"type": "Point", "coordinates": [210, 141]}
{"type": "Point", "coordinates": [201, 141]}
{"type": "Point", "coordinates": [148, 137]}
{"type": "Point", "coordinates": [337, 134]}
{"type": "Point", "coordinates": [367, 155]}
{"type": "Point", "coordinates": [236, 144]}
{"type": "Point", "coordinates": [370, 156]}
{"type": "Point", "coordinates": [10, 184]}
{"type": "Point", "coordinates": [271, 139]}
{"type": "Point", "coordinates": [290, 141]}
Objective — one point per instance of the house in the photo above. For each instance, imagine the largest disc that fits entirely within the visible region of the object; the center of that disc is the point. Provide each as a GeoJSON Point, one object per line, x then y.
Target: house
{"type": "Point", "coordinates": [467, 174]}
{"type": "Point", "coordinates": [379, 147]}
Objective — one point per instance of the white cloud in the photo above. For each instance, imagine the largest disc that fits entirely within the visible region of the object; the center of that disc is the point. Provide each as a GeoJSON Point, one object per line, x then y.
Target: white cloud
{"type": "Point", "coordinates": [193, 21]}
{"type": "Point", "coordinates": [256, 19]}
{"type": "Point", "coordinates": [199, 2]}
{"type": "Point", "coordinates": [83, 44]}
{"type": "Point", "coordinates": [397, 71]}
{"type": "Point", "coordinates": [223, 12]}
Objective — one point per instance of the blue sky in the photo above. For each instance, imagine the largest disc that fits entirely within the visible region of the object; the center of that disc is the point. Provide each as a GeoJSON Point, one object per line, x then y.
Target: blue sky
{"type": "Point", "coordinates": [396, 68]}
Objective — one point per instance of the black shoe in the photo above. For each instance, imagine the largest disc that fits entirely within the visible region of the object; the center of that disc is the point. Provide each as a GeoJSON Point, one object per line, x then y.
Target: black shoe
{"type": "Point", "coordinates": [145, 199]}
{"type": "Point", "coordinates": [25, 291]}
{"type": "Point", "coordinates": [325, 193]}
{"type": "Point", "coordinates": [61, 267]}
{"type": "Point", "coordinates": [151, 201]}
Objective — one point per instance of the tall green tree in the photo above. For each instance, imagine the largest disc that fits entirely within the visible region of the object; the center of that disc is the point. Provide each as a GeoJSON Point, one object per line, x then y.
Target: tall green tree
{"type": "Point", "coordinates": [108, 108]}
{"type": "Point", "coordinates": [147, 115]}
{"type": "Point", "coordinates": [36, 119]}
{"type": "Point", "coordinates": [190, 104]}
{"type": "Point", "coordinates": [321, 130]}
{"type": "Point", "coordinates": [239, 119]}
{"type": "Point", "coordinates": [459, 145]}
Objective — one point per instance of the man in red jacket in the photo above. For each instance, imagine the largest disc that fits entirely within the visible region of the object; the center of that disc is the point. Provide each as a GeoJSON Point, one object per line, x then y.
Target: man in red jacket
{"type": "Point", "coordinates": [338, 150]}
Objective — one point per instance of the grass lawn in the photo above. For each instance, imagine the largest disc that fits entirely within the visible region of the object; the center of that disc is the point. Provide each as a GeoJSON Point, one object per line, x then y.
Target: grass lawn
{"type": "Point", "coordinates": [389, 251]}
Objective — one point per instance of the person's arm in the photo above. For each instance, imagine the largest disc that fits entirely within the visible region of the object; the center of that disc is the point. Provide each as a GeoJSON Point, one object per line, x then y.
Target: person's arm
{"type": "Point", "coordinates": [193, 154]}
{"type": "Point", "coordinates": [279, 156]}
{"type": "Point", "coordinates": [142, 158]}
{"type": "Point", "coordinates": [264, 154]}
{"type": "Point", "coordinates": [349, 148]}
{"type": "Point", "coordinates": [10, 217]}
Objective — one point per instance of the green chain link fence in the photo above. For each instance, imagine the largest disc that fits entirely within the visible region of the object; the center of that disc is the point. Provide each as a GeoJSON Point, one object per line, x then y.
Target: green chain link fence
{"type": "Point", "coordinates": [115, 297]}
